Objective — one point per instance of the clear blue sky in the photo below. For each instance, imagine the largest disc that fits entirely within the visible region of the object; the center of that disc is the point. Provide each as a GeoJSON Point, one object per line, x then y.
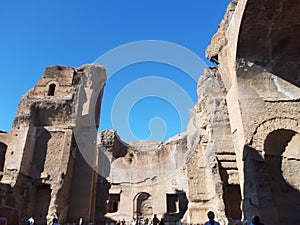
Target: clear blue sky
{"type": "Point", "coordinates": [36, 34]}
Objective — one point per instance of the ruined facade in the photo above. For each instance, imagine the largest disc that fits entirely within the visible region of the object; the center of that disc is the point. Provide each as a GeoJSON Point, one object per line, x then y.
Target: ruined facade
{"type": "Point", "coordinates": [239, 156]}
{"type": "Point", "coordinates": [43, 167]}
{"type": "Point", "coordinates": [142, 178]}
{"type": "Point", "coordinates": [242, 146]}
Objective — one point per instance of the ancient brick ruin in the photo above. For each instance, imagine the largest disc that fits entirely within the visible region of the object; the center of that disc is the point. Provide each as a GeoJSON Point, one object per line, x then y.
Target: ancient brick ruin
{"type": "Point", "coordinates": [239, 157]}
{"type": "Point", "coordinates": [43, 172]}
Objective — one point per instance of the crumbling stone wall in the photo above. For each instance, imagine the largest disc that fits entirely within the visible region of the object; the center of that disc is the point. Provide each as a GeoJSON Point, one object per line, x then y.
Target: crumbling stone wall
{"type": "Point", "coordinates": [239, 156]}
{"type": "Point", "coordinates": [44, 148]}
{"type": "Point", "coordinates": [143, 175]}
{"type": "Point", "coordinates": [259, 66]}
{"type": "Point", "coordinates": [211, 165]}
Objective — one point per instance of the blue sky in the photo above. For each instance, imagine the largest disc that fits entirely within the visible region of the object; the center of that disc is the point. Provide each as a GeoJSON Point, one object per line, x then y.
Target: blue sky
{"type": "Point", "coordinates": [36, 34]}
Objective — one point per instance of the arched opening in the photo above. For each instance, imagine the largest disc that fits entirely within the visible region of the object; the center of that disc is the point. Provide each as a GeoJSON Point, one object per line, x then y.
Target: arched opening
{"type": "Point", "coordinates": [3, 148]}
{"type": "Point", "coordinates": [282, 150]}
{"type": "Point", "coordinates": [51, 89]}
{"type": "Point", "coordinates": [172, 203]}
{"type": "Point", "coordinates": [142, 205]}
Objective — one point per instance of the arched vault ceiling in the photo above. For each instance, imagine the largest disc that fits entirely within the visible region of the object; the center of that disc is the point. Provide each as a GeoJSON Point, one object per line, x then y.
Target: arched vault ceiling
{"type": "Point", "coordinates": [270, 37]}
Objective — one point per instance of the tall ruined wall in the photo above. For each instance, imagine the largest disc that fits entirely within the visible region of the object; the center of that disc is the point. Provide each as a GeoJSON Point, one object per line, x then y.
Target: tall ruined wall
{"type": "Point", "coordinates": [259, 65]}
{"type": "Point", "coordinates": [211, 165]}
{"type": "Point", "coordinates": [44, 160]}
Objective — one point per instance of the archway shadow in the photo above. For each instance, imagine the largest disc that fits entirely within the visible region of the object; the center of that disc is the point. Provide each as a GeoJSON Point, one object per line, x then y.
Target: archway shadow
{"type": "Point", "coordinates": [272, 42]}
{"type": "Point", "coordinates": [266, 192]}
{"type": "Point", "coordinates": [103, 186]}
{"type": "Point", "coordinates": [231, 195]}
{"type": "Point", "coordinates": [102, 190]}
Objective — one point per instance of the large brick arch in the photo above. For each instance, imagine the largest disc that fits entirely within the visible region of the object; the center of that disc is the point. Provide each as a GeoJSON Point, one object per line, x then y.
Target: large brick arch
{"type": "Point", "coordinates": [266, 127]}
{"type": "Point", "coordinates": [263, 32]}
{"type": "Point", "coordinates": [269, 37]}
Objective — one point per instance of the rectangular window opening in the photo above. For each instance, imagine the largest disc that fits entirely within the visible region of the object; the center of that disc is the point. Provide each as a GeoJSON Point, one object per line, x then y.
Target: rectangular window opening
{"type": "Point", "coordinates": [172, 203]}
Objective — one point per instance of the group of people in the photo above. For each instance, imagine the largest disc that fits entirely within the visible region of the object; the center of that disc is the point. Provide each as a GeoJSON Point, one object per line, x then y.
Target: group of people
{"type": "Point", "coordinates": [211, 220]}
{"type": "Point", "coordinates": [154, 221]}
{"type": "Point", "coordinates": [30, 221]}
{"type": "Point", "coordinates": [142, 221]}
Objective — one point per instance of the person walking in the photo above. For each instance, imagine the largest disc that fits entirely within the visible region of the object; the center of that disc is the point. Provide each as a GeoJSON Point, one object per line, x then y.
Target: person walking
{"type": "Point", "coordinates": [30, 221]}
{"type": "Point", "coordinates": [161, 222]}
{"type": "Point", "coordinates": [256, 221]}
{"type": "Point", "coordinates": [155, 220]}
{"type": "Point", "coordinates": [55, 221]}
{"type": "Point", "coordinates": [211, 219]}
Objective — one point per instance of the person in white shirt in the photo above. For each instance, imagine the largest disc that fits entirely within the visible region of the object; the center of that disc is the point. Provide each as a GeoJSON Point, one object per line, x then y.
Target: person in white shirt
{"type": "Point", "coordinates": [30, 221]}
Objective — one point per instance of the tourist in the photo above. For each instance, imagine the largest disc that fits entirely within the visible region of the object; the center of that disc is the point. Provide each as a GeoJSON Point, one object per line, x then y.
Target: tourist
{"type": "Point", "coordinates": [161, 222]}
{"type": "Point", "coordinates": [3, 221]}
{"type": "Point", "coordinates": [123, 222]}
{"type": "Point", "coordinates": [55, 221]}
{"type": "Point", "coordinates": [211, 217]}
{"type": "Point", "coordinates": [155, 220]}
{"type": "Point", "coordinates": [30, 221]}
{"type": "Point", "coordinates": [256, 221]}
{"type": "Point", "coordinates": [81, 221]}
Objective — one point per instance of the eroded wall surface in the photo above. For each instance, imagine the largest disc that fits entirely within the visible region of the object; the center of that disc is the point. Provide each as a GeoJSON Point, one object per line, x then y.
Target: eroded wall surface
{"type": "Point", "coordinates": [259, 64]}
{"type": "Point", "coordinates": [43, 152]}
{"type": "Point", "coordinates": [141, 179]}
{"type": "Point", "coordinates": [239, 157]}
{"type": "Point", "coordinates": [242, 142]}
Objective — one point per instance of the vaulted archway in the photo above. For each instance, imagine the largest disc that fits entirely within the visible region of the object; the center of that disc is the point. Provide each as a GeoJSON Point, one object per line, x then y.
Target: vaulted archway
{"type": "Point", "coordinates": [142, 205]}
{"type": "Point", "coordinates": [281, 151]}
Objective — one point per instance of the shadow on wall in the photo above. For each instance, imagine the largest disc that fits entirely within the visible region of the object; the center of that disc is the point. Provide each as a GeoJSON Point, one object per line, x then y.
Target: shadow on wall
{"type": "Point", "coordinates": [269, 37]}
{"type": "Point", "coordinates": [172, 214]}
{"type": "Point", "coordinates": [3, 148]}
{"type": "Point", "coordinates": [7, 207]}
{"type": "Point", "coordinates": [231, 196]}
{"type": "Point", "coordinates": [38, 195]}
{"type": "Point", "coordinates": [268, 191]}
{"type": "Point", "coordinates": [40, 152]}
{"type": "Point", "coordinates": [105, 202]}
{"type": "Point", "coordinates": [29, 196]}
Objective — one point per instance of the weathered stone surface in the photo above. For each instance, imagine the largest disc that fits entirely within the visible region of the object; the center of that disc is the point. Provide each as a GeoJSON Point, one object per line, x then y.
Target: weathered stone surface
{"type": "Point", "coordinates": [148, 167]}
{"type": "Point", "coordinates": [209, 138]}
{"type": "Point", "coordinates": [219, 40]}
{"type": "Point", "coordinates": [239, 157]}
{"type": "Point", "coordinates": [269, 37]}
{"type": "Point", "coordinates": [259, 67]}
{"type": "Point", "coordinates": [43, 151]}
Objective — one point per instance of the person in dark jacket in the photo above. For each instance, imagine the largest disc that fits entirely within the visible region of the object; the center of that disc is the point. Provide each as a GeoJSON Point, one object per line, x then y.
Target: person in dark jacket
{"type": "Point", "coordinates": [211, 219]}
